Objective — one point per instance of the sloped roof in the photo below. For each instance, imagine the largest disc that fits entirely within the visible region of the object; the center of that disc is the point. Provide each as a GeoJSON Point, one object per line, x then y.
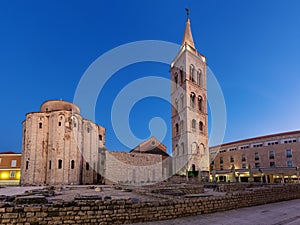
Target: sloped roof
{"type": "Point", "coordinates": [151, 146]}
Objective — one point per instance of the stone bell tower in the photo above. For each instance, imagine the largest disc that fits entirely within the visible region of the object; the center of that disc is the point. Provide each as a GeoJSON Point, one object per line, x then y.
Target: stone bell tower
{"type": "Point", "coordinates": [189, 109]}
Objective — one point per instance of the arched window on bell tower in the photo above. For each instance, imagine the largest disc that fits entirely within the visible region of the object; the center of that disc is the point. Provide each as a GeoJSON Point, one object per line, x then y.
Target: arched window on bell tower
{"type": "Point", "coordinates": [192, 73]}
{"type": "Point", "coordinates": [181, 76]}
{"type": "Point", "coordinates": [200, 103]}
{"type": "Point", "coordinates": [176, 79]}
{"type": "Point", "coordinates": [193, 124]}
{"type": "Point", "coordinates": [176, 128]}
{"type": "Point", "coordinates": [193, 100]}
{"type": "Point", "coordinates": [199, 73]}
{"type": "Point", "coordinates": [182, 101]}
{"type": "Point", "coordinates": [201, 126]}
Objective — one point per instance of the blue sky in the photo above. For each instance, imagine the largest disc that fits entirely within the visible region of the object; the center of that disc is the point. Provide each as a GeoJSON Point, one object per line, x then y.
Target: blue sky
{"type": "Point", "coordinates": [251, 46]}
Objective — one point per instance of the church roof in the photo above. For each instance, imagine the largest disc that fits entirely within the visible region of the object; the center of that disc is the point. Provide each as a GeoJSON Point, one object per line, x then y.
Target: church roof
{"type": "Point", "coordinates": [151, 146]}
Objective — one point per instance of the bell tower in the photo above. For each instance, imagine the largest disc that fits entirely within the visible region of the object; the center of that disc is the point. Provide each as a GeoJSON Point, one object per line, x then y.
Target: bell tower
{"type": "Point", "coordinates": [189, 109]}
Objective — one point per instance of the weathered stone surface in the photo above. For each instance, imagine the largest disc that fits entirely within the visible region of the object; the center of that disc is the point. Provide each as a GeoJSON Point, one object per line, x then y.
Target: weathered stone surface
{"type": "Point", "coordinates": [31, 199]}
{"type": "Point", "coordinates": [88, 197]}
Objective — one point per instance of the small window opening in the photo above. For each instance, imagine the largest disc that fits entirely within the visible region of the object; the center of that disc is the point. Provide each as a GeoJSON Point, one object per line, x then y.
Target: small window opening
{"type": "Point", "coordinates": [59, 164]}
{"type": "Point", "coordinates": [72, 164]}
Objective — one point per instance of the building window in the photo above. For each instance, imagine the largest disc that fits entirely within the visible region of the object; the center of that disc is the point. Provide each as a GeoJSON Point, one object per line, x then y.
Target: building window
{"type": "Point", "coordinates": [272, 143]}
{"type": "Point", "coordinates": [13, 163]}
{"type": "Point", "coordinates": [200, 103]}
{"type": "Point", "coordinates": [88, 130]}
{"type": "Point", "coordinates": [182, 147]}
{"type": "Point", "coordinates": [50, 165]}
{"type": "Point", "coordinates": [272, 164]}
{"type": "Point", "coordinates": [244, 147]}
{"type": "Point", "coordinates": [290, 141]}
{"type": "Point", "coordinates": [181, 77]}
{"type": "Point", "coordinates": [244, 165]}
{"type": "Point", "coordinates": [192, 78]}
{"type": "Point", "coordinates": [72, 164]}
{"type": "Point", "coordinates": [87, 166]}
{"type": "Point", "coordinates": [200, 126]}
{"type": "Point", "coordinates": [199, 73]}
{"type": "Point", "coordinates": [221, 167]}
{"type": "Point", "coordinates": [59, 124]}
{"type": "Point", "coordinates": [271, 154]}
{"type": "Point", "coordinates": [290, 163]}
{"type": "Point", "coordinates": [40, 125]}
{"type": "Point", "coordinates": [12, 174]}
{"type": "Point", "coordinates": [27, 164]}
{"type": "Point", "coordinates": [100, 137]}
{"type": "Point", "coordinates": [176, 128]}
{"type": "Point", "coordinates": [59, 164]}
{"type": "Point", "coordinates": [194, 124]}
{"type": "Point", "coordinates": [243, 158]}
{"type": "Point", "coordinates": [256, 157]}
{"type": "Point", "coordinates": [257, 165]}
{"type": "Point", "coordinates": [193, 100]}
{"type": "Point", "coordinates": [221, 160]}
{"type": "Point", "coordinates": [289, 153]}
{"type": "Point", "coordinates": [231, 159]}
{"type": "Point", "coordinates": [176, 79]}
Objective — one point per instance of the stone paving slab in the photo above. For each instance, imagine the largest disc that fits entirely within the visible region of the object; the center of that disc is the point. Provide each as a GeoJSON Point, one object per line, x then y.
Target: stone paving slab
{"type": "Point", "coordinates": [280, 213]}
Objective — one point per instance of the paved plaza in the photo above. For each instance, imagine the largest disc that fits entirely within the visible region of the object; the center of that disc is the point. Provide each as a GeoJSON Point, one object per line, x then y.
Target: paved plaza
{"type": "Point", "coordinates": [280, 213]}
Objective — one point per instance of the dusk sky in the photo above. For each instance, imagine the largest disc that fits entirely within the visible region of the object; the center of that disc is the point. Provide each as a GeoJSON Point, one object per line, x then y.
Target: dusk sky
{"type": "Point", "coordinates": [251, 46]}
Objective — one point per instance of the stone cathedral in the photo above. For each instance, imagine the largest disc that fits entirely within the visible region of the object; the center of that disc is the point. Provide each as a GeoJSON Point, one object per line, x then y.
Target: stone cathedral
{"type": "Point", "coordinates": [189, 111]}
{"type": "Point", "coordinates": [62, 147]}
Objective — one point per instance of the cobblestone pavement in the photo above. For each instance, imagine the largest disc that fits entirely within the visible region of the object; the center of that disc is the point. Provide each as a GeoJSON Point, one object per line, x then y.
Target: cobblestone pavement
{"type": "Point", "coordinates": [280, 213]}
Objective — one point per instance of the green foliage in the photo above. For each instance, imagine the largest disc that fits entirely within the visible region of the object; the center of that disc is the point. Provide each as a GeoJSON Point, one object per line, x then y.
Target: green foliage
{"type": "Point", "coordinates": [191, 174]}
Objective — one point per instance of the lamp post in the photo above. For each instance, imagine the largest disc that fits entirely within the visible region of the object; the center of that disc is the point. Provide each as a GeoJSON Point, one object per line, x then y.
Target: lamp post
{"type": "Point", "coordinates": [239, 177]}
{"type": "Point", "coordinates": [250, 173]}
{"type": "Point", "coordinates": [261, 175]}
{"type": "Point", "coordinates": [233, 173]}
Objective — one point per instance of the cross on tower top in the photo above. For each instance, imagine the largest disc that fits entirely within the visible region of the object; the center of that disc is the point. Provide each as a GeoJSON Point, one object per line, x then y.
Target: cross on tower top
{"type": "Point", "coordinates": [187, 12]}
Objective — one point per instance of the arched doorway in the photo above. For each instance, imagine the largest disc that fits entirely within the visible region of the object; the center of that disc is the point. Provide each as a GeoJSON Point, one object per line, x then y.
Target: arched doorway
{"type": "Point", "coordinates": [193, 168]}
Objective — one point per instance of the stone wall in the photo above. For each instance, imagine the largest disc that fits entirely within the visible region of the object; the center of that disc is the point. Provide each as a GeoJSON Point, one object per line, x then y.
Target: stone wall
{"type": "Point", "coordinates": [128, 211]}
{"type": "Point", "coordinates": [132, 168]}
{"type": "Point", "coordinates": [237, 186]}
